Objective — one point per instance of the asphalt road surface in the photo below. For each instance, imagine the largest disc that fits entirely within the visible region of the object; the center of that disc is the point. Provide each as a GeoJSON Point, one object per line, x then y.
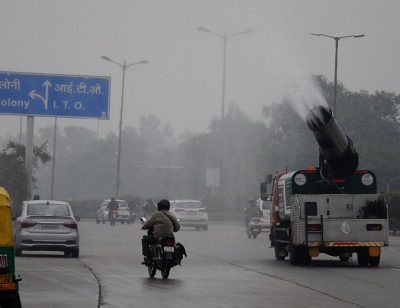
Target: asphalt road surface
{"type": "Point", "coordinates": [224, 268]}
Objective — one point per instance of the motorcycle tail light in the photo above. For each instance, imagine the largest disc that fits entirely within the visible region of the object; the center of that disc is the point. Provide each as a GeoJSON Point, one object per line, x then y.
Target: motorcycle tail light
{"type": "Point", "coordinates": [169, 242]}
{"type": "Point", "coordinates": [27, 223]}
{"type": "Point", "coordinates": [114, 211]}
{"type": "Point", "coordinates": [71, 224]}
{"type": "Point", "coordinates": [374, 227]}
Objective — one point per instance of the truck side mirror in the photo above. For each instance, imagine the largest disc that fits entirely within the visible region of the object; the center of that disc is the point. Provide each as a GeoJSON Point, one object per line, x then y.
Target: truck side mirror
{"type": "Point", "coordinates": [263, 188]}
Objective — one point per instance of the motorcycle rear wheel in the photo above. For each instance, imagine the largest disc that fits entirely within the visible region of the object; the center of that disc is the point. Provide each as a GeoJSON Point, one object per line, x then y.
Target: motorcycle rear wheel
{"type": "Point", "coordinates": [152, 269]}
{"type": "Point", "coordinates": [165, 271]}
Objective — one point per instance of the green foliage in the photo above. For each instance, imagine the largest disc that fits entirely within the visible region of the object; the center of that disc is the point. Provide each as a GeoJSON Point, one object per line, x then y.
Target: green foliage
{"type": "Point", "coordinates": [13, 176]}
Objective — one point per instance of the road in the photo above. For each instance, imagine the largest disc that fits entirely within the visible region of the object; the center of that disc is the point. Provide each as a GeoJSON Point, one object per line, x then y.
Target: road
{"type": "Point", "coordinates": [223, 269]}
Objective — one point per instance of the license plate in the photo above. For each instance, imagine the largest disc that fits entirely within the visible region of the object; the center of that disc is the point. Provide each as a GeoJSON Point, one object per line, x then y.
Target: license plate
{"type": "Point", "coordinates": [7, 278]}
{"type": "Point", "coordinates": [191, 212]}
{"type": "Point", "coordinates": [49, 227]}
{"type": "Point", "coordinates": [168, 249]}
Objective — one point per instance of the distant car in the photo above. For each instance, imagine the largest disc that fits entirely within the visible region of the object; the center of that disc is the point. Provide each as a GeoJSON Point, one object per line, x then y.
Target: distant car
{"type": "Point", "coordinates": [124, 214]}
{"type": "Point", "coordinates": [46, 225]}
{"type": "Point", "coordinates": [265, 206]}
{"type": "Point", "coordinates": [191, 213]}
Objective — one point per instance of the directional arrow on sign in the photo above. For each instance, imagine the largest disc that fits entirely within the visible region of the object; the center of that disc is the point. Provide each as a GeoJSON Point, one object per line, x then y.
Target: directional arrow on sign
{"type": "Point", "coordinates": [45, 99]}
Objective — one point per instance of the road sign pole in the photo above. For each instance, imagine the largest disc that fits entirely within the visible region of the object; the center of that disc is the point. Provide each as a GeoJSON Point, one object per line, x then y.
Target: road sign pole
{"type": "Point", "coordinates": [29, 155]}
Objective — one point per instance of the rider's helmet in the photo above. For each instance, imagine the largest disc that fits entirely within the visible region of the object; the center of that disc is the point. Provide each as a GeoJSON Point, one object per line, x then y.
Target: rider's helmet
{"type": "Point", "coordinates": [252, 201]}
{"type": "Point", "coordinates": [112, 199]}
{"type": "Point", "coordinates": [163, 204]}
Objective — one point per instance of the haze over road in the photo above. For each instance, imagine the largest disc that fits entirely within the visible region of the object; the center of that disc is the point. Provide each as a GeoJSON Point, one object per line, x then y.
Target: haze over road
{"type": "Point", "coordinates": [223, 269]}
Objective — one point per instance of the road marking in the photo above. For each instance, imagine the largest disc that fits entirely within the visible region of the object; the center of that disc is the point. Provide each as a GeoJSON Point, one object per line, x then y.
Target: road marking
{"type": "Point", "coordinates": [395, 269]}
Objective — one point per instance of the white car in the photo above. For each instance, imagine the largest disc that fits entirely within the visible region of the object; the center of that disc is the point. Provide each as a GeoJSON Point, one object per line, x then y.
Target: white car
{"type": "Point", "coordinates": [124, 214]}
{"type": "Point", "coordinates": [46, 225]}
{"type": "Point", "coordinates": [191, 213]}
{"type": "Point", "coordinates": [265, 206]}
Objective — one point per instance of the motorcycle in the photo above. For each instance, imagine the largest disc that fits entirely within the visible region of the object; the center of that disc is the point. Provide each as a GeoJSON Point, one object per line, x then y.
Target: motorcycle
{"type": "Point", "coordinates": [165, 254]}
{"type": "Point", "coordinates": [133, 216]}
{"type": "Point", "coordinates": [254, 227]}
{"type": "Point", "coordinates": [113, 217]}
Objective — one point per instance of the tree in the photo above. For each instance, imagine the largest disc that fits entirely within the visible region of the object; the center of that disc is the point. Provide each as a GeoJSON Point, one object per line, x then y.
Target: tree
{"type": "Point", "coordinates": [13, 175]}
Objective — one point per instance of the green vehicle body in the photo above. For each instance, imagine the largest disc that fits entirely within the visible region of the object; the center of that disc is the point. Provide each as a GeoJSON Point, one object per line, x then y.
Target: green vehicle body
{"type": "Point", "coordinates": [9, 288]}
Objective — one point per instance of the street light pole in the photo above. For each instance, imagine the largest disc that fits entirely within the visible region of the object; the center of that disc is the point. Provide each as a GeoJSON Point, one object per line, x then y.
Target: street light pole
{"type": "Point", "coordinates": [225, 38]}
{"type": "Point", "coordinates": [124, 67]}
{"type": "Point", "coordinates": [336, 38]}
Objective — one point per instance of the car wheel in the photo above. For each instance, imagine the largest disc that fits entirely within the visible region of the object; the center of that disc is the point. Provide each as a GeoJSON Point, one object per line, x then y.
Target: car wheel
{"type": "Point", "coordinates": [122, 222]}
{"type": "Point", "coordinates": [197, 228]}
{"type": "Point", "coordinates": [128, 222]}
{"type": "Point", "coordinates": [205, 227]}
{"type": "Point", "coordinates": [75, 253]}
{"type": "Point", "coordinates": [97, 220]}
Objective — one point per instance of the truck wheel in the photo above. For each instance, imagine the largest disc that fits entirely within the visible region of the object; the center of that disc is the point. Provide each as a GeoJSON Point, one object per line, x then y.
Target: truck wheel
{"type": "Point", "coordinates": [280, 254]}
{"type": "Point", "coordinates": [374, 261]}
{"type": "Point", "coordinates": [294, 252]}
{"type": "Point", "coordinates": [363, 256]}
{"type": "Point", "coordinates": [305, 258]}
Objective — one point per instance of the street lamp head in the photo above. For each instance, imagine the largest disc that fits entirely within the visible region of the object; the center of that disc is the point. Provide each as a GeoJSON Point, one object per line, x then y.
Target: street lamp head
{"type": "Point", "coordinates": [248, 31]}
{"type": "Point", "coordinates": [143, 62]}
{"type": "Point", "coordinates": [202, 29]}
{"type": "Point", "coordinates": [106, 58]}
{"type": "Point", "coordinates": [313, 33]}
{"type": "Point", "coordinates": [358, 35]}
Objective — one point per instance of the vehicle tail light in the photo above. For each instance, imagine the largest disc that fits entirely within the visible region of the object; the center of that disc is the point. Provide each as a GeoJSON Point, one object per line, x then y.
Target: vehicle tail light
{"type": "Point", "coordinates": [314, 228]}
{"type": "Point", "coordinates": [203, 210]}
{"type": "Point", "coordinates": [179, 210]}
{"type": "Point", "coordinates": [71, 224]}
{"type": "Point", "coordinates": [114, 211]}
{"type": "Point", "coordinates": [169, 242]}
{"type": "Point", "coordinates": [374, 227]}
{"type": "Point", "coordinates": [27, 223]}
{"type": "Point", "coordinates": [3, 264]}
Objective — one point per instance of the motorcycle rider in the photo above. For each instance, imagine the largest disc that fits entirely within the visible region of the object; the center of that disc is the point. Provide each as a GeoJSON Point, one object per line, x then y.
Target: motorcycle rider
{"type": "Point", "coordinates": [132, 209]}
{"type": "Point", "coordinates": [163, 223]}
{"type": "Point", "coordinates": [149, 208]}
{"type": "Point", "coordinates": [252, 211]}
{"type": "Point", "coordinates": [113, 205]}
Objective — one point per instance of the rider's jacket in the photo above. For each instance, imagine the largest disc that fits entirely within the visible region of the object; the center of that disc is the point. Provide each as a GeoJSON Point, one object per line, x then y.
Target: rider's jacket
{"type": "Point", "coordinates": [163, 222]}
{"type": "Point", "coordinates": [253, 211]}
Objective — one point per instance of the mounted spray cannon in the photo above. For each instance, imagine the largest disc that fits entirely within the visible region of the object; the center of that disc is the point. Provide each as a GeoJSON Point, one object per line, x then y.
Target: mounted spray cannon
{"type": "Point", "coordinates": [333, 209]}
{"type": "Point", "coordinates": [338, 158]}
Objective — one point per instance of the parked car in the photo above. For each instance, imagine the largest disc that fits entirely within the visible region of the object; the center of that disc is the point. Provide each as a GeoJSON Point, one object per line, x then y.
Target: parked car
{"type": "Point", "coordinates": [265, 206]}
{"type": "Point", "coordinates": [46, 225]}
{"type": "Point", "coordinates": [124, 214]}
{"type": "Point", "coordinates": [191, 213]}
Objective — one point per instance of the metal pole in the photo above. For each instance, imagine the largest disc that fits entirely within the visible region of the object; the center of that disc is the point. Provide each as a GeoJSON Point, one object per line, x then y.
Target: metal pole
{"type": "Point", "coordinates": [221, 151]}
{"type": "Point", "coordinates": [335, 81]}
{"type": "Point", "coordinates": [29, 155]}
{"type": "Point", "coordinates": [118, 182]}
{"type": "Point", "coordinates": [20, 130]}
{"type": "Point", "coordinates": [54, 160]}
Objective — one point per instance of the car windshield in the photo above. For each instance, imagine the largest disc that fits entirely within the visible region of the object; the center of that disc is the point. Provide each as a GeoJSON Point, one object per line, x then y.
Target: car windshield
{"type": "Point", "coordinates": [189, 205]}
{"type": "Point", "coordinates": [48, 209]}
{"type": "Point", "coordinates": [123, 207]}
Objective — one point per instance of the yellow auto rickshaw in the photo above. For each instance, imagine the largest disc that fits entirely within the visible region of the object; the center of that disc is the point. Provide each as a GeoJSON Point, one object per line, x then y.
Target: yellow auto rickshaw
{"type": "Point", "coordinates": [9, 290]}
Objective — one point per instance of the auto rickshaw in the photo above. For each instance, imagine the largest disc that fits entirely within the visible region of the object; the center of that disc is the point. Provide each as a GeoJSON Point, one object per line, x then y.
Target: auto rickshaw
{"type": "Point", "coordinates": [9, 290]}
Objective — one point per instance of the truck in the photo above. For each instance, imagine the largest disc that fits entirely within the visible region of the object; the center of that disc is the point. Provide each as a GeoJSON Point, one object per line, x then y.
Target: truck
{"type": "Point", "coordinates": [333, 208]}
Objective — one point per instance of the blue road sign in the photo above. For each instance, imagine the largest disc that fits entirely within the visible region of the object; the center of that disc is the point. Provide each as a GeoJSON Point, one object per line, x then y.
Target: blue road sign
{"type": "Point", "coordinates": [54, 95]}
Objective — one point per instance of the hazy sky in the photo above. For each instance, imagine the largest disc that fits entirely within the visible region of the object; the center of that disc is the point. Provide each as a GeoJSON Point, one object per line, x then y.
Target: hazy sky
{"type": "Point", "coordinates": [182, 83]}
